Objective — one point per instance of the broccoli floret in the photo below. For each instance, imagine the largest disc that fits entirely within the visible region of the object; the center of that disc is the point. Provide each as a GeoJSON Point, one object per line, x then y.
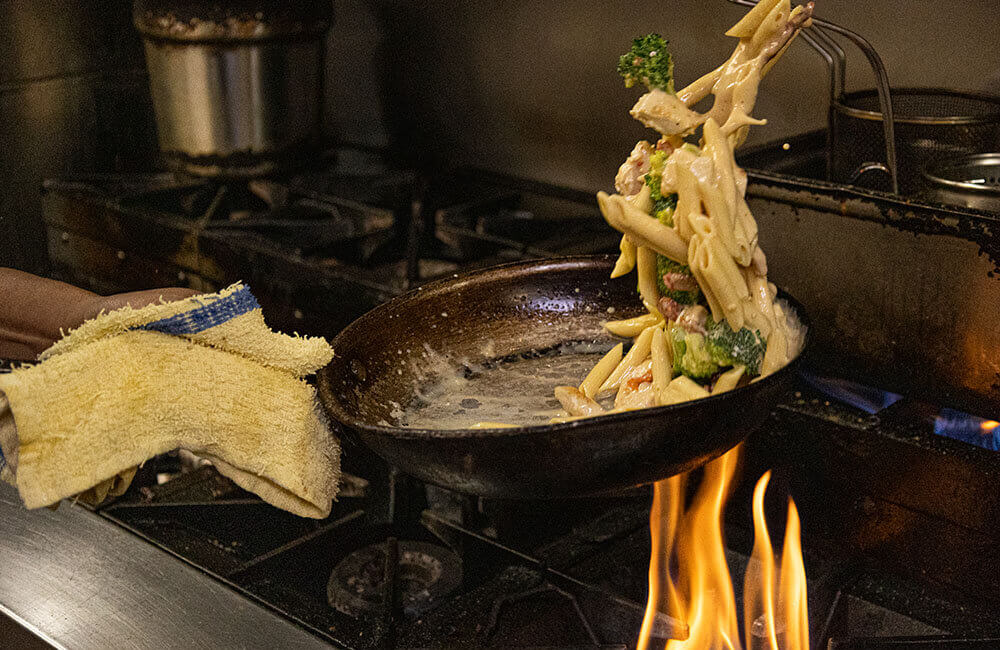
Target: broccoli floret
{"type": "Point", "coordinates": [666, 265]}
{"type": "Point", "coordinates": [663, 206]}
{"type": "Point", "coordinates": [657, 160]}
{"type": "Point", "coordinates": [678, 346]}
{"type": "Point", "coordinates": [691, 356]}
{"type": "Point", "coordinates": [654, 177]}
{"type": "Point", "coordinates": [729, 348]}
{"type": "Point", "coordinates": [649, 62]}
{"type": "Point", "coordinates": [663, 209]}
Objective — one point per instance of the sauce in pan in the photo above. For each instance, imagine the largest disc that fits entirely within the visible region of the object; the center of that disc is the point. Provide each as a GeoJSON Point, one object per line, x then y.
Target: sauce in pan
{"type": "Point", "coordinates": [515, 390]}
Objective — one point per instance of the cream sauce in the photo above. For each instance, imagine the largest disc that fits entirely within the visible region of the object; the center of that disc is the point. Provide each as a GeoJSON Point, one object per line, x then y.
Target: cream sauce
{"type": "Point", "coordinates": [517, 391]}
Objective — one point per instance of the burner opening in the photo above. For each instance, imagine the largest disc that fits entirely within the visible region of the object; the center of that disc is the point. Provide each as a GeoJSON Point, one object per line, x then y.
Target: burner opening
{"type": "Point", "coordinates": [425, 573]}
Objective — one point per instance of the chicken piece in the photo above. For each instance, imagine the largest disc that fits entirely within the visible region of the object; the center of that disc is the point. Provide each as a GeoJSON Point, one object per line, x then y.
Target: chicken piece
{"type": "Point", "coordinates": [666, 113]}
{"type": "Point", "coordinates": [636, 389]}
{"type": "Point", "coordinates": [669, 308]}
{"type": "Point", "coordinates": [630, 179]}
{"type": "Point", "coordinates": [679, 282]}
{"type": "Point", "coordinates": [643, 397]}
{"type": "Point", "coordinates": [693, 319]}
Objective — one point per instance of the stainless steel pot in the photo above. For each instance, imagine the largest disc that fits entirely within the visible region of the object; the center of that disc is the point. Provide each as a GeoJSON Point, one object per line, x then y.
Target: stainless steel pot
{"type": "Point", "coordinates": [236, 86]}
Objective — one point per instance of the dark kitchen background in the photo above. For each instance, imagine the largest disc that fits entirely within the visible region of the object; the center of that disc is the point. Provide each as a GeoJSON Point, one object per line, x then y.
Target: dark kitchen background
{"type": "Point", "coordinates": [524, 88]}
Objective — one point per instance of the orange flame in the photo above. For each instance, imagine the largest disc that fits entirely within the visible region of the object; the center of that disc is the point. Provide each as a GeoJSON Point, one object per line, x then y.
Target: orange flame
{"type": "Point", "coordinates": [774, 616]}
{"type": "Point", "coordinates": [988, 426]}
{"type": "Point", "coordinates": [792, 591]}
{"type": "Point", "coordinates": [758, 584]}
{"type": "Point", "coordinates": [663, 519]}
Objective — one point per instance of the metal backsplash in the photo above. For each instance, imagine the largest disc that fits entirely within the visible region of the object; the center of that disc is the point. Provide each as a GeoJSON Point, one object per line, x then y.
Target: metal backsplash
{"type": "Point", "coordinates": [73, 98]}
{"type": "Point", "coordinates": [902, 296]}
{"type": "Point", "coordinates": [529, 88]}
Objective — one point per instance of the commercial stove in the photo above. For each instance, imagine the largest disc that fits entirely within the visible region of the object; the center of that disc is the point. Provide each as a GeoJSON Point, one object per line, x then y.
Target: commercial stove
{"type": "Point", "coordinates": [886, 443]}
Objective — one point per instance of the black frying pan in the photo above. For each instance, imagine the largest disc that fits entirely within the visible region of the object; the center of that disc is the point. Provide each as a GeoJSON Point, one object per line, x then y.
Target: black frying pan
{"type": "Point", "coordinates": [380, 359]}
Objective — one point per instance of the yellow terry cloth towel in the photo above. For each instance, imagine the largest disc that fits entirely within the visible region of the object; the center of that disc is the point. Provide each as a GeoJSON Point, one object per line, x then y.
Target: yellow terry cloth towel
{"type": "Point", "coordinates": [204, 374]}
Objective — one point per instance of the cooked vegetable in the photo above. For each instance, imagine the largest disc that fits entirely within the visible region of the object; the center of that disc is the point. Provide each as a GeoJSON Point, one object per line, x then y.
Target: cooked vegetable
{"type": "Point", "coordinates": [648, 61]}
{"type": "Point", "coordinates": [663, 211]}
{"type": "Point", "coordinates": [663, 206]}
{"type": "Point", "coordinates": [700, 356]}
{"type": "Point", "coordinates": [729, 348]}
{"type": "Point", "coordinates": [691, 356]}
{"type": "Point", "coordinates": [654, 176]}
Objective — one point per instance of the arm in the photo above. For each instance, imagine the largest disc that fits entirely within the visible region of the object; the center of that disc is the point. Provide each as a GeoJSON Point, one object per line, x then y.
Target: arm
{"type": "Point", "coordinates": [33, 310]}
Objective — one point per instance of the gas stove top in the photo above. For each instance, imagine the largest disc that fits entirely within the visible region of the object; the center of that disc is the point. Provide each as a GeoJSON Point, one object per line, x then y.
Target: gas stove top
{"type": "Point", "coordinates": [361, 229]}
{"type": "Point", "coordinates": [401, 564]}
{"type": "Point", "coordinates": [898, 507]}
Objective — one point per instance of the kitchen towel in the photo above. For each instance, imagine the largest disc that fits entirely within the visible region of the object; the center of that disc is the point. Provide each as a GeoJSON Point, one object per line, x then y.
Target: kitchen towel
{"type": "Point", "coordinates": [204, 374]}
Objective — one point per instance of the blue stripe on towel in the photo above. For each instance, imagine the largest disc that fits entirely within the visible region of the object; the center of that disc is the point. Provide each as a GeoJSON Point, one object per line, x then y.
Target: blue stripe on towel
{"type": "Point", "coordinates": [201, 318]}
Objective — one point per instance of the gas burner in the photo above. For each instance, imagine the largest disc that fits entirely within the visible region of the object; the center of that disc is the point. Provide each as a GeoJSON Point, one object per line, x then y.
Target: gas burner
{"type": "Point", "coordinates": [423, 573]}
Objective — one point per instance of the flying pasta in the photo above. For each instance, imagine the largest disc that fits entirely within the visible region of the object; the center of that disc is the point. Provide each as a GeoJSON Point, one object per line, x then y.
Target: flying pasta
{"type": "Point", "coordinates": [713, 320]}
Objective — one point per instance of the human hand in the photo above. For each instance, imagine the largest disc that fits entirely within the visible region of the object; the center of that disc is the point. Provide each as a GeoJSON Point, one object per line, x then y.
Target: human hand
{"type": "Point", "coordinates": [134, 299]}
{"type": "Point", "coordinates": [35, 311]}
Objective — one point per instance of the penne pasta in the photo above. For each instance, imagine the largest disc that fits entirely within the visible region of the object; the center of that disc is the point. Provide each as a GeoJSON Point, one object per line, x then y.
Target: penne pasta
{"type": "Point", "coordinates": [717, 147]}
{"type": "Point", "coordinates": [660, 352]}
{"type": "Point", "coordinates": [601, 371]}
{"type": "Point", "coordinates": [749, 23]}
{"type": "Point", "coordinates": [573, 418]}
{"type": "Point", "coordinates": [706, 288]}
{"type": "Point", "coordinates": [761, 303]}
{"type": "Point", "coordinates": [774, 21]}
{"type": "Point", "coordinates": [728, 380]}
{"type": "Point", "coordinates": [626, 258]}
{"type": "Point", "coordinates": [688, 217]}
{"type": "Point", "coordinates": [729, 270]}
{"type": "Point", "coordinates": [639, 351]}
{"type": "Point", "coordinates": [642, 201]}
{"type": "Point", "coordinates": [774, 59]}
{"type": "Point", "coordinates": [681, 389]}
{"type": "Point", "coordinates": [576, 403]}
{"type": "Point", "coordinates": [710, 187]}
{"type": "Point", "coordinates": [568, 418]}
{"type": "Point", "coordinates": [775, 356]}
{"type": "Point", "coordinates": [724, 279]}
{"type": "Point", "coordinates": [642, 230]}
{"type": "Point", "coordinates": [632, 327]}
{"type": "Point", "coordinates": [748, 225]}
{"type": "Point", "coordinates": [646, 268]}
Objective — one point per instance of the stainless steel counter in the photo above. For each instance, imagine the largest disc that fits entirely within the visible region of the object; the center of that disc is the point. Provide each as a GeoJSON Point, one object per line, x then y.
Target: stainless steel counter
{"type": "Point", "coordinates": [78, 581]}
